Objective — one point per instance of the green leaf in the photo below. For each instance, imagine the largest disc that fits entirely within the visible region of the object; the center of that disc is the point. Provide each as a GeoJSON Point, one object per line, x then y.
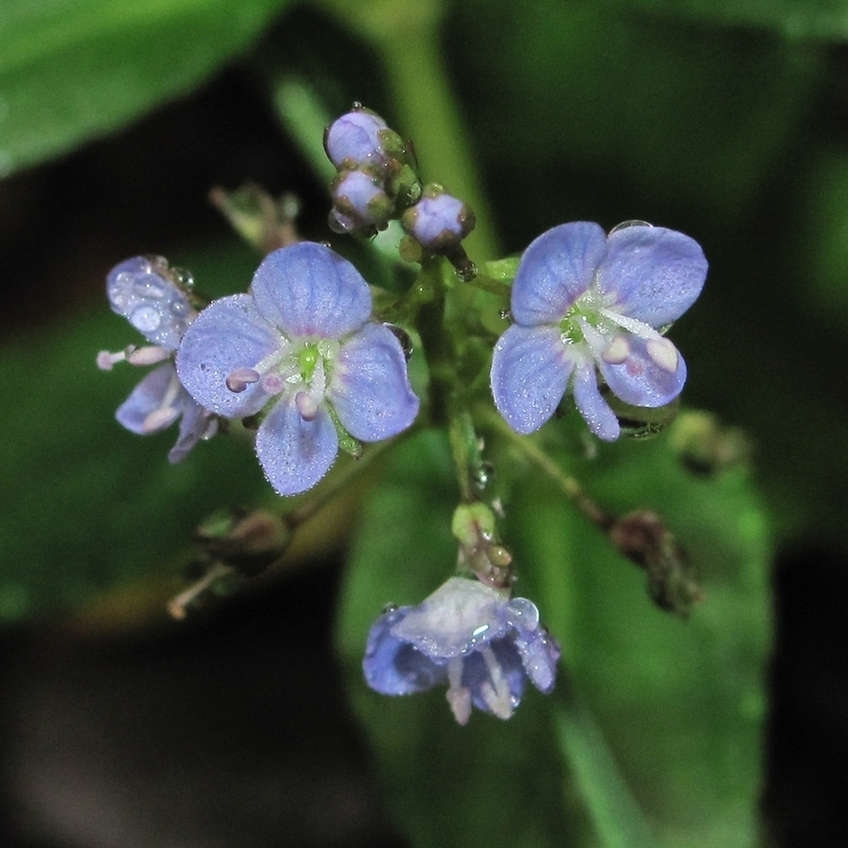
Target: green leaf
{"type": "Point", "coordinates": [489, 783]}
{"type": "Point", "coordinates": [72, 70]}
{"type": "Point", "coordinates": [89, 507]}
{"type": "Point", "coordinates": [819, 19]}
{"type": "Point", "coordinates": [653, 733]}
{"type": "Point", "coordinates": [681, 704]}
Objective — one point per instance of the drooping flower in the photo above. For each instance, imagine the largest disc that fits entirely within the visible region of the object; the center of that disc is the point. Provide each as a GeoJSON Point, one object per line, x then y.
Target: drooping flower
{"type": "Point", "coordinates": [467, 635]}
{"type": "Point", "coordinates": [301, 344]}
{"type": "Point", "coordinates": [583, 300]}
{"type": "Point", "coordinates": [144, 291]}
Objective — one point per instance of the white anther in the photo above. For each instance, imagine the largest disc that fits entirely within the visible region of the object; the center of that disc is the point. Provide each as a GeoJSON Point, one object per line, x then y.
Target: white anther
{"type": "Point", "coordinates": [459, 696]}
{"type": "Point", "coordinates": [617, 351]}
{"type": "Point", "coordinates": [106, 360]}
{"type": "Point", "coordinates": [239, 379]}
{"type": "Point", "coordinates": [664, 354]}
{"type": "Point", "coordinates": [306, 406]}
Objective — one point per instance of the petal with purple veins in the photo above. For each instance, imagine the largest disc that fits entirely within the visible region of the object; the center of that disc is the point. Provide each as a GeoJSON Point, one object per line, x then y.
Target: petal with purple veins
{"type": "Point", "coordinates": [370, 389]}
{"type": "Point", "coordinates": [194, 424]}
{"type": "Point", "coordinates": [308, 291]}
{"type": "Point", "coordinates": [295, 453]}
{"type": "Point", "coordinates": [228, 335]}
{"type": "Point", "coordinates": [555, 270]}
{"type": "Point", "coordinates": [656, 274]}
{"type": "Point", "coordinates": [530, 371]}
{"type": "Point", "coordinates": [652, 375]}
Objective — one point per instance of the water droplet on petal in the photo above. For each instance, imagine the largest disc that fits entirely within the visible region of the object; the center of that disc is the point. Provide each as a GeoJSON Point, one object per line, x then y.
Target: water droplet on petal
{"type": "Point", "coordinates": [624, 225]}
{"type": "Point", "coordinates": [145, 319]}
{"type": "Point", "coordinates": [523, 614]}
{"type": "Point", "coordinates": [389, 608]}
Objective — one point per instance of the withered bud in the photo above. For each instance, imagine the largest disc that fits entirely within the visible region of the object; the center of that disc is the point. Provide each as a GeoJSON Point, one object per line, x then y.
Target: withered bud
{"type": "Point", "coordinates": [248, 542]}
{"type": "Point", "coordinates": [645, 540]}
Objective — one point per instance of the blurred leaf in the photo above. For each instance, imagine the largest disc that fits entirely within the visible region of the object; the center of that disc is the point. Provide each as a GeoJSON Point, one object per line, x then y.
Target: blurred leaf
{"type": "Point", "coordinates": [71, 70]}
{"type": "Point", "coordinates": [825, 19]}
{"type": "Point", "coordinates": [651, 712]}
{"type": "Point", "coordinates": [682, 704]}
{"type": "Point", "coordinates": [88, 506]}
{"type": "Point", "coordinates": [603, 104]}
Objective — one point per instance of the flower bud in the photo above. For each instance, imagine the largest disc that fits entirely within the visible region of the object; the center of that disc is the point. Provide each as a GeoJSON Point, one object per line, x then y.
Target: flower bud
{"type": "Point", "coordinates": [360, 204]}
{"type": "Point", "coordinates": [354, 139]}
{"type": "Point", "coordinates": [439, 222]}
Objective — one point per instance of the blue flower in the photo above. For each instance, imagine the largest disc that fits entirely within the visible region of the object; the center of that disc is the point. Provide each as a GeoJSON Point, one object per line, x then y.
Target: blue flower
{"type": "Point", "coordinates": [469, 636]}
{"type": "Point", "coordinates": [582, 300]}
{"type": "Point", "coordinates": [301, 344]}
{"type": "Point", "coordinates": [438, 221]}
{"type": "Point", "coordinates": [356, 139]}
{"type": "Point", "coordinates": [143, 290]}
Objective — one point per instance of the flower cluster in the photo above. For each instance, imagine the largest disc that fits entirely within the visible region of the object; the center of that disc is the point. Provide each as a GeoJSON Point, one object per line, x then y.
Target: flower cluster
{"type": "Point", "coordinates": [378, 181]}
{"type": "Point", "coordinates": [151, 296]}
{"type": "Point", "coordinates": [300, 349]}
{"type": "Point", "coordinates": [584, 301]}
{"type": "Point", "coordinates": [485, 646]}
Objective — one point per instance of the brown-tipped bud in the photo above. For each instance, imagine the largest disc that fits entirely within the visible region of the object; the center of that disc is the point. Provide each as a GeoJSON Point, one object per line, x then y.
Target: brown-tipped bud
{"type": "Point", "coordinates": [263, 222]}
{"type": "Point", "coordinates": [248, 542]}
{"type": "Point", "coordinates": [644, 539]}
{"type": "Point", "coordinates": [705, 446]}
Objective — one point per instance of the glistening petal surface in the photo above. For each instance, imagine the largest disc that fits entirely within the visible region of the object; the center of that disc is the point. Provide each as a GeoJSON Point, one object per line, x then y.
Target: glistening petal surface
{"type": "Point", "coordinates": [640, 380]}
{"type": "Point", "coordinates": [295, 453]}
{"type": "Point", "coordinates": [530, 371]}
{"type": "Point", "coordinates": [308, 291]}
{"type": "Point", "coordinates": [370, 388]}
{"type": "Point", "coordinates": [591, 405]}
{"type": "Point", "coordinates": [655, 273]}
{"type": "Point", "coordinates": [555, 270]}
{"type": "Point", "coordinates": [228, 334]}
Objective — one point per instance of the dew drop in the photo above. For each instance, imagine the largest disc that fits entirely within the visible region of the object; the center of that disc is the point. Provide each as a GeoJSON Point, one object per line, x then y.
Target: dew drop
{"type": "Point", "coordinates": [389, 608]}
{"type": "Point", "coordinates": [479, 631]}
{"type": "Point", "coordinates": [505, 314]}
{"type": "Point", "coordinates": [145, 319]}
{"type": "Point", "coordinates": [184, 277]}
{"type": "Point", "coordinates": [625, 225]}
{"type": "Point", "coordinates": [149, 287]}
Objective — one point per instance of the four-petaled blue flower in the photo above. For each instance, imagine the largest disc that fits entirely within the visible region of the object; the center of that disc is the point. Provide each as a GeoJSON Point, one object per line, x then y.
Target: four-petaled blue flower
{"type": "Point", "coordinates": [470, 636]}
{"type": "Point", "coordinates": [142, 291]}
{"type": "Point", "coordinates": [301, 342]}
{"type": "Point", "coordinates": [583, 299]}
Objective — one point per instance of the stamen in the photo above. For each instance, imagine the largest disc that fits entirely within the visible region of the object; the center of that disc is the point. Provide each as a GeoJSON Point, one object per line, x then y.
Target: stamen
{"type": "Point", "coordinates": [459, 696]}
{"type": "Point", "coordinates": [306, 406]}
{"type": "Point", "coordinates": [106, 360]}
{"type": "Point", "coordinates": [638, 328]}
{"type": "Point", "coordinates": [664, 354]}
{"type": "Point", "coordinates": [496, 694]}
{"type": "Point", "coordinates": [239, 379]}
{"type": "Point", "coordinates": [617, 351]}
{"type": "Point", "coordinates": [148, 355]}
{"type": "Point", "coordinates": [160, 419]}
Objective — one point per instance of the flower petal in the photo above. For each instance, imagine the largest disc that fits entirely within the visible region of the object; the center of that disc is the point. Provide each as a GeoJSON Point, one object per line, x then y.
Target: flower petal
{"type": "Point", "coordinates": [308, 291]}
{"type": "Point", "coordinates": [395, 667]}
{"type": "Point", "coordinates": [194, 424]}
{"type": "Point", "coordinates": [227, 335]}
{"type": "Point", "coordinates": [539, 655]}
{"type": "Point", "coordinates": [594, 409]}
{"type": "Point", "coordinates": [496, 682]}
{"type": "Point", "coordinates": [555, 270]}
{"type": "Point", "coordinates": [370, 388]}
{"type": "Point", "coordinates": [148, 396]}
{"type": "Point", "coordinates": [530, 371]}
{"type": "Point", "coordinates": [652, 375]}
{"type": "Point", "coordinates": [295, 453]}
{"type": "Point", "coordinates": [655, 273]}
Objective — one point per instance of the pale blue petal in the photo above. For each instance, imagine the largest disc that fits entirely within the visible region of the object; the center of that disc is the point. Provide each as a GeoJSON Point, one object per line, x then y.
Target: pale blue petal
{"type": "Point", "coordinates": [555, 270]}
{"type": "Point", "coordinates": [194, 423]}
{"type": "Point", "coordinates": [227, 335]}
{"type": "Point", "coordinates": [655, 273]}
{"type": "Point", "coordinates": [295, 453]}
{"type": "Point", "coordinates": [308, 291]}
{"type": "Point", "coordinates": [146, 398]}
{"type": "Point", "coordinates": [370, 389]}
{"type": "Point", "coordinates": [539, 654]}
{"type": "Point", "coordinates": [639, 380]}
{"type": "Point", "coordinates": [530, 371]}
{"type": "Point", "coordinates": [594, 409]}
{"type": "Point", "coordinates": [395, 667]}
